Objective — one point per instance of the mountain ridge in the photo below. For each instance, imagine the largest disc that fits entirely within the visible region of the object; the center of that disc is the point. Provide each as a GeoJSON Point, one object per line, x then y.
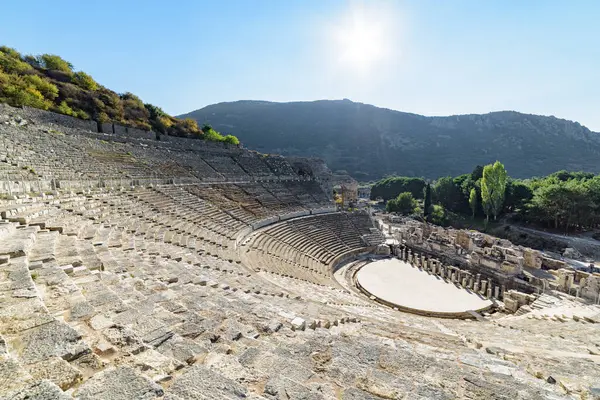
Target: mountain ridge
{"type": "Point", "coordinates": [370, 142]}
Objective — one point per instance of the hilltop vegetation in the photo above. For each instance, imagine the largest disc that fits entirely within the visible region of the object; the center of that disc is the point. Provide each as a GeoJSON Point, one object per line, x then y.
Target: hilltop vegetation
{"type": "Point", "coordinates": [562, 200]}
{"type": "Point", "coordinates": [50, 83]}
{"type": "Point", "coordinates": [370, 142]}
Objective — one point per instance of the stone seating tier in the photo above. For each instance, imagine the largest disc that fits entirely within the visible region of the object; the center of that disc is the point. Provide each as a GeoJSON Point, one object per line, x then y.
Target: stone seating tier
{"type": "Point", "coordinates": [149, 292]}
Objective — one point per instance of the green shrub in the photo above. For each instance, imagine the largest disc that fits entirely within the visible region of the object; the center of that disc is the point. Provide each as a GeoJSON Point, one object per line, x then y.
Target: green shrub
{"type": "Point", "coordinates": [190, 125]}
{"type": "Point", "coordinates": [405, 203]}
{"type": "Point", "coordinates": [84, 81]}
{"type": "Point", "coordinates": [32, 60]}
{"type": "Point", "coordinates": [9, 51]}
{"type": "Point", "coordinates": [52, 61]}
{"type": "Point", "coordinates": [47, 88]}
{"type": "Point", "coordinates": [155, 112]}
{"type": "Point", "coordinates": [102, 117]}
{"type": "Point", "coordinates": [48, 81]}
{"type": "Point", "coordinates": [212, 135]}
{"type": "Point", "coordinates": [439, 215]}
{"type": "Point", "coordinates": [231, 140]}
{"type": "Point", "coordinates": [132, 100]}
{"type": "Point", "coordinates": [82, 114]}
{"type": "Point", "coordinates": [14, 65]}
{"type": "Point", "coordinates": [18, 93]}
{"type": "Point", "coordinates": [64, 108]}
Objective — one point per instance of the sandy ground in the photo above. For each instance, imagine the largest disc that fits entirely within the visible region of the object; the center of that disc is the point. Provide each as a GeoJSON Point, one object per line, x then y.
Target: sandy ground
{"type": "Point", "coordinates": [400, 283]}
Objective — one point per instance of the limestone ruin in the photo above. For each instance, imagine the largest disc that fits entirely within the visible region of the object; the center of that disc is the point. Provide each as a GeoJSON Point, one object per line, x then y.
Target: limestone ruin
{"type": "Point", "coordinates": [132, 268]}
{"type": "Point", "coordinates": [511, 266]}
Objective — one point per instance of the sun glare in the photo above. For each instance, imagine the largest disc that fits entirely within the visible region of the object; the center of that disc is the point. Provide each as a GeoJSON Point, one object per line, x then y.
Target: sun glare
{"type": "Point", "coordinates": [361, 39]}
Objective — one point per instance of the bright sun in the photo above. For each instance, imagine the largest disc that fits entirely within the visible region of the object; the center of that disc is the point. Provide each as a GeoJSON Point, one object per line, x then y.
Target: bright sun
{"type": "Point", "coordinates": [360, 39]}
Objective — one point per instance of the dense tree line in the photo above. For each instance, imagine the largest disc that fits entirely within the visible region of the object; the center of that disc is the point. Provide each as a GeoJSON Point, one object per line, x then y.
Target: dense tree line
{"type": "Point", "coordinates": [562, 200]}
{"type": "Point", "coordinates": [49, 82]}
{"type": "Point", "coordinates": [389, 188]}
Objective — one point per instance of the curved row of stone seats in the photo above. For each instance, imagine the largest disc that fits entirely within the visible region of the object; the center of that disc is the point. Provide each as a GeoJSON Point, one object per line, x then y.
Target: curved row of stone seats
{"type": "Point", "coordinates": [167, 320]}
{"type": "Point", "coordinates": [308, 189]}
{"type": "Point", "coordinates": [304, 248]}
{"type": "Point", "coordinates": [548, 344]}
{"type": "Point", "coordinates": [10, 169]}
{"type": "Point", "coordinates": [224, 196]}
{"type": "Point", "coordinates": [134, 294]}
{"type": "Point", "coordinates": [284, 196]}
{"type": "Point", "coordinates": [50, 154]}
{"type": "Point", "coordinates": [48, 151]}
{"type": "Point", "coordinates": [227, 167]}
{"type": "Point", "coordinates": [266, 199]}
{"type": "Point", "coordinates": [197, 166]}
{"type": "Point", "coordinates": [253, 163]}
{"type": "Point", "coordinates": [299, 191]}
{"type": "Point", "coordinates": [118, 317]}
{"type": "Point", "coordinates": [280, 166]}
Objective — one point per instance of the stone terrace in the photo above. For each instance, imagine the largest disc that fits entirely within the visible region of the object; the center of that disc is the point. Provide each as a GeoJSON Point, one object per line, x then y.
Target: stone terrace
{"type": "Point", "coordinates": [112, 290]}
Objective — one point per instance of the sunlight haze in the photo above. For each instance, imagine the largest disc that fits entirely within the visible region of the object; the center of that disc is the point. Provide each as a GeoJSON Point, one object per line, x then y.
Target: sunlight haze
{"type": "Point", "coordinates": [426, 57]}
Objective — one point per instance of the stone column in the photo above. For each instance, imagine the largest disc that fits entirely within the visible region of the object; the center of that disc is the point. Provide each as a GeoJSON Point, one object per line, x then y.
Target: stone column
{"type": "Point", "coordinates": [464, 282]}
{"type": "Point", "coordinates": [483, 287]}
{"type": "Point", "coordinates": [471, 282]}
{"type": "Point", "coordinates": [489, 291]}
{"type": "Point", "coordinates": [409, 256]}
{"type": "Point", "coordinates": [497, 292]}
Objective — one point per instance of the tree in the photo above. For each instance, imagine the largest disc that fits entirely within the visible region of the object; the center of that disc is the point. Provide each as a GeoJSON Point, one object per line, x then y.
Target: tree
{"type": "Point", "coordinates": [427, 200]}
{"type": "Point", "coordinates": [390, 187]}
{"type": "Point", "coordinates": [448, 194]}
{"type": "Point", "coordinates": [405, 203]}
{"type": "Point", "coordinates": [438, 215]}
{"type": "Point", "coordinates": [9, 51]}
{"type": "Point", "coordinates": [564, 204]}
{"type": "Point", "coordinates": [13, 65]}
{"type": "Point", "coordinates": [477, 173]}
{"type": "Point", "coordinates": [84, 81]}
{"type": "Point", "coordinates": [155, 112]}
{"type": "Point", "coordinates": [473, 201]}
{"type": "Point", "coordinates": [518, 194]}
{"type": "Point", "coordinates": [493, 188]}
{"type": "Point", "coordinates": [51, 61]}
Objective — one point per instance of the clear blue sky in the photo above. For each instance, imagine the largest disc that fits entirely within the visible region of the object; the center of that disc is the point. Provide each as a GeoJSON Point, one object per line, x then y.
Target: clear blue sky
{"type": "Point", "coordinates": [428, 57]}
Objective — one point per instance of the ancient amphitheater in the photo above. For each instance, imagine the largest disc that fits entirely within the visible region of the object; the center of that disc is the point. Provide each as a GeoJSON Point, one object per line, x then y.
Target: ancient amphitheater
{"type": "Point", "coordinates": [132, 268]}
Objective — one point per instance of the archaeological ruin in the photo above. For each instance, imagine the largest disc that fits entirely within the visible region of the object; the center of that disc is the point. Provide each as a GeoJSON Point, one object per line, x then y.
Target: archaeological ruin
{"type": "Point", "coordinates": [143, 266]}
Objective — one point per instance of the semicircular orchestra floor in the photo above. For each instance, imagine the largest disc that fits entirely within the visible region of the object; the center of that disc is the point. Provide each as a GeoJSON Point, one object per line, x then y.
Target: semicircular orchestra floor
{"type": "Point", "coordinates": [400, 284]}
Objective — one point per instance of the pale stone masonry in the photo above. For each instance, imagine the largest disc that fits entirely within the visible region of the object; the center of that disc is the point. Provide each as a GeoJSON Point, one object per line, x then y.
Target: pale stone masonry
{"type": "Point", "coordinates": [132, 268]}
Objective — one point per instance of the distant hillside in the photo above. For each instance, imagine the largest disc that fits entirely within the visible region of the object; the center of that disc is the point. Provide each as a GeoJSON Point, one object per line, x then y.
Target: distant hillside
{"type": "Point", "coordinates": [370, 142]}
{"type": "Point", "coordinates": [49, 82]}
